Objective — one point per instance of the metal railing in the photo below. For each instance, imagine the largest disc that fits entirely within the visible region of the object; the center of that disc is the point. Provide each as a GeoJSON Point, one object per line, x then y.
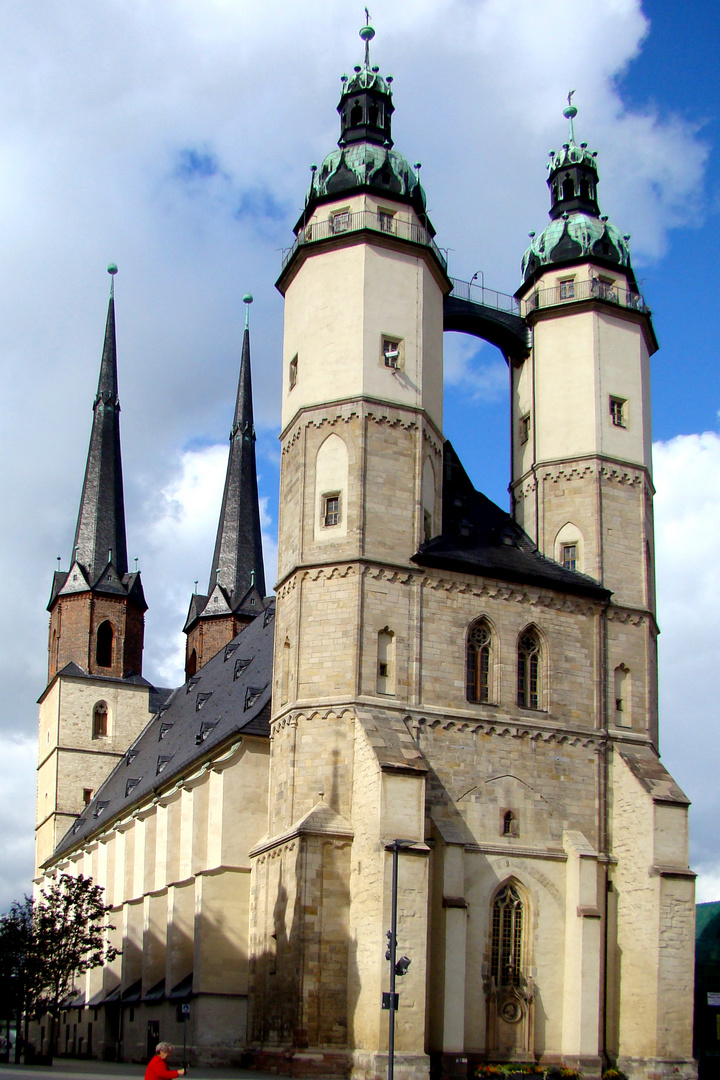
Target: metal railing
{"type": "Point", "coordinates": [342, 223]}
{"type": "Point", "coordinates": [568, 292]}
{"type": "Point", "coordinates": [478, 294]}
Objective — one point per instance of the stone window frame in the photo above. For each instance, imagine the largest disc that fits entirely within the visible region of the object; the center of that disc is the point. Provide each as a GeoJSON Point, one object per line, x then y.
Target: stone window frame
{"type": "Point", "coordinates": [479, 662]}
{"type": "Point", "coordinates": [340, 221]}
{"type": "Point", "coordinates": [618, 411]}
{"type": "Point", "coordinates": [569, 554]}
{"type": "Point", "coordinates": [100, 730]}
{"type": "Point", "coordinates": [386, 219]}
{"type": "Point", "coordinates": [331, 509]}
{"type": "Point", "coordinates": [524, 429]}
{"type": "Point", "coordinates": [389, 345]}
{"type": "Point", "coordinates": [509, 922]}
{"type": "Point", "coordinates": [566, 286]}
{"type": "Point", "coordinates": [530, 673]}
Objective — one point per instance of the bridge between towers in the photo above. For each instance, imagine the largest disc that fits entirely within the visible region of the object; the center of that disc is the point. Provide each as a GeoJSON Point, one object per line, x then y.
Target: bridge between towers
{"type": "Point", "coordinates": [487, 314]}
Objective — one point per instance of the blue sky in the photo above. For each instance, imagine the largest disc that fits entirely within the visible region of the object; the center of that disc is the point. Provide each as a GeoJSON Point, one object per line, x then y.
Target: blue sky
{"type": "Point", "coordinates": [176, 140]}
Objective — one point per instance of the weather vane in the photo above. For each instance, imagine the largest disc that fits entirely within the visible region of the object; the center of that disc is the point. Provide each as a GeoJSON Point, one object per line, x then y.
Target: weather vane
{"type": "Point", "coordinates": [367, 34]}
{"type": "Point", "coordinates": [570, 112]}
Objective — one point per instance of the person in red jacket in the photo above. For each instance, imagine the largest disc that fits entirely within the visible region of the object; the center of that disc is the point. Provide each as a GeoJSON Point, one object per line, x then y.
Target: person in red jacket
{"type": "Point", "coordinates": [157, 1069]}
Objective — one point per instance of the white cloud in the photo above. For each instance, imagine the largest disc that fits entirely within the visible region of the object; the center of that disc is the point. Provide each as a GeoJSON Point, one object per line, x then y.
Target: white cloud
{"type": "Point", "coordinates": [17, 811]}
{"type": "Point", "coordinates": [687, 525]}
{"type": "Point", "coordinates": [478, 369]}
{"type": "Point", "coordinates": [180, 541]}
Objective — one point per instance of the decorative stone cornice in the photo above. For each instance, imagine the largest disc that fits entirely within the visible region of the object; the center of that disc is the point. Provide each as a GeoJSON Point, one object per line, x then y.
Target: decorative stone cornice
{"type": "Point", "coordinates": [522, 594]}
{"type": "Point", "coordinates": [292, 717]}
{"type": "Point", "coordinates": [513, 729]}
{"type": "Point", "coordinates": [376, 409]}
{"type": "Point", "coordinates": [615, 471]}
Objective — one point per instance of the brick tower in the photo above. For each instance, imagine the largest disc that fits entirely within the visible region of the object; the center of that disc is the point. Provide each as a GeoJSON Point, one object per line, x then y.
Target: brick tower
{"type": "Point", "coordinates": [96, 700]}
{"type": "Point", "coordinates": [236, 588]}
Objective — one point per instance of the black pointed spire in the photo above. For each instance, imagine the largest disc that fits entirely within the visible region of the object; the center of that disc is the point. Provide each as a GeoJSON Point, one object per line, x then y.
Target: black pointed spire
{"type": "Point", "coordinates": [100, 534]}
{"type": "Point", "coordinates": [238, 560]}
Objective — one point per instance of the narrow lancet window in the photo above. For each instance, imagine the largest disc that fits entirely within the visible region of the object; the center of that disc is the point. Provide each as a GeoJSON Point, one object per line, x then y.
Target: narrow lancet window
{"type": "Point", "coordinates": [507, 937]}
{"type": "Point", "coordinates": [100, 720]}
{"type": "Point", "coordinates": [528, 679]}
{"type": "Point", "coordinates": [478, 662]}
{"type": "Point", "coordinates": [104, 645]}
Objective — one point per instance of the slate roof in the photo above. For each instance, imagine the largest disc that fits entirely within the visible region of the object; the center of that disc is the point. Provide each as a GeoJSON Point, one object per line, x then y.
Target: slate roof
{"type": "Point", "coordinates": [101, 519]}
{"type": "Point", "coordinates": [238, 560]}
{"type": "Point", "coordinates": [479, 538]}
{"type": "Point", "coordinates": [158, 694]}
{"type": "Point", "coordinates": [229, 695]}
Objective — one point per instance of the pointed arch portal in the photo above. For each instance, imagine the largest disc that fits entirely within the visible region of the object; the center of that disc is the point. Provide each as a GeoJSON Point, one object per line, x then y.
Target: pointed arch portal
{"type": "Point", "coordinates": [489, 315]}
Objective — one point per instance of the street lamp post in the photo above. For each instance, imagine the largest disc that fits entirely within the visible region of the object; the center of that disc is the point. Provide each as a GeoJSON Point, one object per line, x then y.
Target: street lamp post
{"type": "Point", "coordinates": [395, 847]}
{"type": "Point", "coordinates": [481, 275]}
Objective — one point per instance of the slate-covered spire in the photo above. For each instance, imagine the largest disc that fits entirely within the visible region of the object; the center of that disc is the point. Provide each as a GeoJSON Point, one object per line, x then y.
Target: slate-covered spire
{"type": "Point", "coordinates": [238, 560]}
{"type": "Point", "coordinates": [100, 534]}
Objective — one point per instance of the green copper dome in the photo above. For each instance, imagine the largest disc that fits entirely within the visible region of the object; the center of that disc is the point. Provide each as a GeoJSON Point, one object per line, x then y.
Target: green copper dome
{"type": "Point", "coordinates": [365, 159]}
{"type": "Point", "coordinates": [363, 164]}
{"type": "Point", "coordinates": [575, 236]}
{"type": "Point", "coordinates": [576, 230]}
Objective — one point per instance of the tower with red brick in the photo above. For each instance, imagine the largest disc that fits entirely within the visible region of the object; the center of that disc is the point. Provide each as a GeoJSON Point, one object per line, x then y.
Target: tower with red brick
{"type": "Point", "coordinates": [96, 701]}
{"type": "Point", "coordinates": [236, 588]}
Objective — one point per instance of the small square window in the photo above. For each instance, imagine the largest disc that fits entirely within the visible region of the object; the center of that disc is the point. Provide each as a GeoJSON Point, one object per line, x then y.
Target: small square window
{"type": "Point", "coordinates": [341, 221]}
{"type": "Point", "coordinates": [567, 289]}
{"type": "Point", "coordinates": [569, 556]}
{"type": "Point", "coordinates": [331, 510]}
{"type": "Point", "coordinates": [382, 669]}
{"type": "Point", "coordinates": [391, 353]}
{"type": "Point", "coordinates": [618, 411]}
{"type": "Point", "coordinates": [386, 221]}
{"type": "Point", "coordinates": [292, 377]}
{"type": "Point", "coordinates": [87, 796]}
{"type": "Point", "coordinates": [524, 428]}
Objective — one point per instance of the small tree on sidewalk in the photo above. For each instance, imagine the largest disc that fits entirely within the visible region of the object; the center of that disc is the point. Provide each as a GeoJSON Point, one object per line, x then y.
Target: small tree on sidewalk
{"type": "Point", "coordinates": [70, 937]}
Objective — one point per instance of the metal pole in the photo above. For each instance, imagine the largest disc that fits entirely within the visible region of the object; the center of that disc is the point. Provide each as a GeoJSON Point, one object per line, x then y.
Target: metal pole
{"type": "Point", "coordinates": [184, 1040]}
{"type": "Point", "coordinates": [393, 946]}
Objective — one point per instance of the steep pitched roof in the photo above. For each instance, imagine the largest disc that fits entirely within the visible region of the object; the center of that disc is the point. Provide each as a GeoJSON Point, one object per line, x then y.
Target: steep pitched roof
{"type": "Point", "coordinates": [478, 537]}
{"type": "Point", "coordinates": [238, 560]}
{"type": "Point", "coordinates": [100, 533]}
{"type": "Point", "coordinates": [230, 695]}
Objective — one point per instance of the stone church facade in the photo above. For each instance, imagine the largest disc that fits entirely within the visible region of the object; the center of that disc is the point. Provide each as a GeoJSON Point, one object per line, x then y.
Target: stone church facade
{"type": "Point", "coordinates": [479, 684]}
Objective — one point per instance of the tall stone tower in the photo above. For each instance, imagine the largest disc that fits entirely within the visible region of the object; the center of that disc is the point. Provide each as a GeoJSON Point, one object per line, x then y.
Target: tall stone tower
{"type": "Point", "coordinates": [96, 700]}
{"type": "Point", "coordinates": [236, 588]}
{"type": "Point", "coordinates": [582, 471]}
{"type": "Point", "coordinates": [360, 489]}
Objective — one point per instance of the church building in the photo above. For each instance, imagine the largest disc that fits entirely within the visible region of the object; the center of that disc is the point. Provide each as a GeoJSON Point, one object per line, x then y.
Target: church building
{"type": "Point", "coordinates": [438, 685]}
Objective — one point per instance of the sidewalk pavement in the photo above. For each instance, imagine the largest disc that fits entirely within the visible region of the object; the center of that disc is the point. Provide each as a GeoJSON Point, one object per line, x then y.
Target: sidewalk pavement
{"type": "Point", "coordinates": [67, 1068]}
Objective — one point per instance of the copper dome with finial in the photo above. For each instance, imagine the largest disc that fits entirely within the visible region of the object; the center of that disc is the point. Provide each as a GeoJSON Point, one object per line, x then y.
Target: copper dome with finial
{"type": "Point", "coordinates": [365, 157]}
{"type": "Point", "coordinates": [577, 230]}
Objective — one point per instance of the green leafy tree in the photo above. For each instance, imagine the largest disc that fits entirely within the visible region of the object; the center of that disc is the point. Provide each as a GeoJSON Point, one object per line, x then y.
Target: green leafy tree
{"type": "Point", "coordinates": [70, 936]}
{"type": "Point", "coordinates": [21, 981]}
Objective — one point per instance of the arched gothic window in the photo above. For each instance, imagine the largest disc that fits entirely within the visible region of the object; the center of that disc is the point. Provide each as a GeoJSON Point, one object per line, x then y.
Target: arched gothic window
{"type": "Point", "coordinates": [568, 188]}
{"type": "Point", "coordinates": [507, 937]}
{"type": "Point", "coordinates": [104, 644]}
{"type": "Point", "coordinates": [356, 115]}
{"type": "Point", "coordinates": [528, 677]}
{"type": "Point", "coordinates": [100, 720]}
{"type": "Point", "coordinates": [477, 666]}
{"type": "Point", "coordinates": [192, 664]}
